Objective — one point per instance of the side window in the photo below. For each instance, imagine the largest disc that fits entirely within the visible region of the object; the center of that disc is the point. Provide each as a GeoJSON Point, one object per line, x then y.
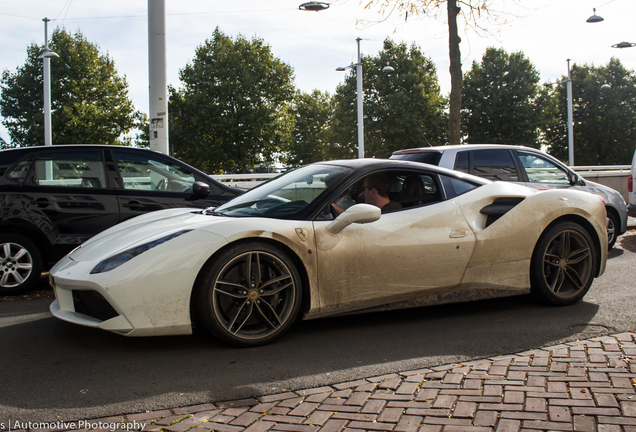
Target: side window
{"type": "Point", "coordinates": [541, 170]}
{"type": "Point", "coordinates": [70, 169]}
{"type": "Point", "coordinates": [494, 165]}
{"type": "Point", "coordinates": [461, 162]}
{"type": "Point", "coordinates": [140, 172]}
{"type": "Point", "coordinates": [19, 172]}
{"type": "Point", "coordinates": [454, 186]}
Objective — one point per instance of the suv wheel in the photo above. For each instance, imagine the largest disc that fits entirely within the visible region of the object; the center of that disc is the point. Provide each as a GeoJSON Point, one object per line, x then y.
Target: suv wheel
{"type": "Point", "coordinates": [20, 264]}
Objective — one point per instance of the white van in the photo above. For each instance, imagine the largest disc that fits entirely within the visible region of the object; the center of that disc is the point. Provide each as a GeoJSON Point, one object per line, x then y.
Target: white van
{"type": "Point", "coordinates": [631, 208]}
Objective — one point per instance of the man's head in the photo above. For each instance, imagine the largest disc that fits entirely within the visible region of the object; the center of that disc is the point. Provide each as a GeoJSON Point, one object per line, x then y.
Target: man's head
{"type": "Point", "coordinates": [376, 189]}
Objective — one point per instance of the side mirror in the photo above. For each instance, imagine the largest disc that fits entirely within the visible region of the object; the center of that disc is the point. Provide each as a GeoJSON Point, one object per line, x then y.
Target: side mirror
{"type": "Point", "coordinates": [200, 188]}
{"type": "Point", "coordinates": [576, 180]}
{"type": "Point", "coordinates": [359, 213]}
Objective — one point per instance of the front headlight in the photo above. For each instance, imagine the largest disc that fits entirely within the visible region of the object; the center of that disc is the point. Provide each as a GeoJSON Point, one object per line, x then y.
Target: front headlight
{"type": "Point", "coordinates": [115, 261]}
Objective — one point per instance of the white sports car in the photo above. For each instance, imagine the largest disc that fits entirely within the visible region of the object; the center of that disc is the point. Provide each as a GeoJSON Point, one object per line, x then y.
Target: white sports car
{"type": "Point", "coordinates": [305, 244]}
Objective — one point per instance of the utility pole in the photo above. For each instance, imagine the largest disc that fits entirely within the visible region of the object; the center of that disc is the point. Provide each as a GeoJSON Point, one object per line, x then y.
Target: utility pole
{"type": "Point", "coordinates": [46, 57]}
{"type": "Point", "coordinates": [158, 75]}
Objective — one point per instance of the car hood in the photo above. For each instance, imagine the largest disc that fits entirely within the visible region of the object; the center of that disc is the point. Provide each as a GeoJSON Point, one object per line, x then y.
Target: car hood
{"type": "Point", "coordinates": [143, 229]}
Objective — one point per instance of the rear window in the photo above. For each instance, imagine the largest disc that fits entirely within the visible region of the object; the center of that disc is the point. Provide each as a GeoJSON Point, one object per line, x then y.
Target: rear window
{"type": "Point", "coordinates": [429, 157]}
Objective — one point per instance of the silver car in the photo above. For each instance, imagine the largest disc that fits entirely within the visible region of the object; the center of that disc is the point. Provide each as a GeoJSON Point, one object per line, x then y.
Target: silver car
{"type": "Point", "coordinates": [523, 165]}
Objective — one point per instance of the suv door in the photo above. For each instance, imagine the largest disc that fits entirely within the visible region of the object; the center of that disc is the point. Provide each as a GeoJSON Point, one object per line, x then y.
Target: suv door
{"type": "Point", "coordinates": [67, 195]}
{"type": "Point", "coordinates": [151, 182]}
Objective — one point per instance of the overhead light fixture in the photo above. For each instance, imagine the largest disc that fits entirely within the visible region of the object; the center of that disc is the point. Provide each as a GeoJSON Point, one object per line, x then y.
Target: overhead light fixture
{"type": "Point", "coordinates": [624, 45]}
{"type": "Point", "coordinates": [314, 6]}
{"type": "Point", "coordinates": [594, 18]}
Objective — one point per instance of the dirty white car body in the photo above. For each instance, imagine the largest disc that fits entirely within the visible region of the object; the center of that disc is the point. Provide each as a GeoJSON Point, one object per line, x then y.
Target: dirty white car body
{"type": "Point", "coordinates": [248, 269]}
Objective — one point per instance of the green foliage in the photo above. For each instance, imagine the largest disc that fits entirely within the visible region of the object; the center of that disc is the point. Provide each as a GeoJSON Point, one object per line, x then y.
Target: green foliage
{"type": "Point", "coordinates": [401, 110]}
{"type": "Point", "coordinates": [312, 114]}
{"type": "Point", "coordinates": [233, 111]}
{"type": "Point", "coordinates": [502, 100]}
{"type": "Point", "coordinates": [89, 101]}
{"type": "Point", "coordinates": [604, 120]}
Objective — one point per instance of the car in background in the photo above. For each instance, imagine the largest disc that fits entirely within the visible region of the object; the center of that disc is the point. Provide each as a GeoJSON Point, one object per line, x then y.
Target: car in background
{"type": "Point", "coordinates": [56, 197]}
{"type": "Point", "coordinates": [524, 165]}
{"type": "Point", "coordinates": [631, 208]}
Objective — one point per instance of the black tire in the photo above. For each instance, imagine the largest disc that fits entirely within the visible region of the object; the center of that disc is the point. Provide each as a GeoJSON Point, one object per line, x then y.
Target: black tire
{"type": "Point", "coordinates": [612, 229]}
{"type": "Point", "coordinates": [249, 295]}
{"type": "Point", "coordinates": [20, 264]}
{"type": "Point", "coordinates": [563, 264]}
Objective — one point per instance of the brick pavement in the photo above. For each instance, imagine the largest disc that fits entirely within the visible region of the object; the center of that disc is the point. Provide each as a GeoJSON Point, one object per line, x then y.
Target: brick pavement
{"type": "Point", "coordinates": [579, 386]}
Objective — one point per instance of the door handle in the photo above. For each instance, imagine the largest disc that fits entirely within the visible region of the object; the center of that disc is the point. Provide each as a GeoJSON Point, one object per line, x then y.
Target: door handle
{"type": "Point", "coordinates": [133, 205]}
{"type": "Point", "coordinates": [457, 234]}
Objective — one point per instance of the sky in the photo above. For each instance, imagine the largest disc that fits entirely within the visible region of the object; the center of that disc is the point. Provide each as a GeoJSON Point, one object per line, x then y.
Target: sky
{"type": "Point", "coordinates": [314, 44]}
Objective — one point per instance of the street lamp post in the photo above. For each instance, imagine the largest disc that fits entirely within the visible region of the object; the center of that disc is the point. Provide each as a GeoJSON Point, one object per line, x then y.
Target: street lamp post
{"type": "Point", "coordinates": [46, 57]}
{"type": "Point", "coordinates": [570, 120]}
{"type": "Point", "coordinates": [568, 82]}
{"type": "Point", "coordinates": [360, 98]}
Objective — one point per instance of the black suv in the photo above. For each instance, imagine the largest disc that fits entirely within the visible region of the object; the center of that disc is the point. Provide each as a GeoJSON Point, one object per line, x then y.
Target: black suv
{"type": "Point", "coordinates": [56, 197]}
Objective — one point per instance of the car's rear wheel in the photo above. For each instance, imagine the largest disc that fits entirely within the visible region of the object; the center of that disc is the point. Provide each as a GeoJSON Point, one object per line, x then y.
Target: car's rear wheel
{"type": "Point", "coordinates": [563, 264]}
{"type": "Point", "coordinates": [612, 229]}
{"type": "Point", "coordinates": [20, 264]}
{"type": "Point", "coordinates": [250, 295]}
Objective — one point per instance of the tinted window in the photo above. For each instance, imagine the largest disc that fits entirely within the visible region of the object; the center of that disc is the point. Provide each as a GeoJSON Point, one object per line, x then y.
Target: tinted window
{"type": "Point", "coordinates": [19, 172]}
{"type": "Point", "coordinates": [542, 170]}
{"type": "Point", "coordinates": [461, 162]}
{"type": "Point", "coordinates": [431, 157]}
{"type": "Point", "coordinates": [494, 165]}
{"type": "Point", "coordinates": [454, 186]}
{"type": "Point", "coordinates": [141, 172]}
{"type": "Point", "coordinates": [70, 169]}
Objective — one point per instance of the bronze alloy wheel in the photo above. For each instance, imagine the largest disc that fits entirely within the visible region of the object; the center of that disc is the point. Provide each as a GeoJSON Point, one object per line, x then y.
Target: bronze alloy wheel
{"type": "Point", "coordinates": [253, 297]}
{"type": "Point", "coordinates": [564, 264]}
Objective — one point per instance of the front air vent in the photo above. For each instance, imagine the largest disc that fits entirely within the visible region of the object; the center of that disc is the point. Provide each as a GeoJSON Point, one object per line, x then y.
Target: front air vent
{"type": "Point", "coordinates": [93, 304]}
{"type": "Point", "coordinates": [498, 208]}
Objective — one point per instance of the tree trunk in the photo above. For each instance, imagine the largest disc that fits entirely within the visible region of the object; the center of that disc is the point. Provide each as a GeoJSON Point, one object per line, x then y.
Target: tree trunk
{"type": "Point", "coordinates": [454, 120]}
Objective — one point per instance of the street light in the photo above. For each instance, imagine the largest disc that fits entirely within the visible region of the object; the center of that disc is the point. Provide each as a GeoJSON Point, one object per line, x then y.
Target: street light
{"type": "Point", "coordinates": [46, 57]}
{"type": "Point", "coordinates": [624, 45]}
{"type": "Point", "coordinates": [360, 94]}
{"type": "Point", "coordinates": [570, 122]}
{"type": "Point", "coordinates": [314, 6]}
{"type": "Point", "coordinates": [594, 18]}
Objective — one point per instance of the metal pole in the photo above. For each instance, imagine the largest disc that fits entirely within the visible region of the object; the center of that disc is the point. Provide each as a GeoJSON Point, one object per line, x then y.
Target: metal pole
{"type": "Point", "coordinates": [570, 121]}
{"type": "Point", "coordinates": [158, 75]}
{"type": "Point", "coordinates": [46, 59]}
{"type": "Point", "coordinates": [360, 104]}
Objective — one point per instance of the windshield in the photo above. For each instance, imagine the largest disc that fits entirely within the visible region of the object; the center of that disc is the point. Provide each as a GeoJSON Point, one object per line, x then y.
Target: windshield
{"type": "Point", "coordinates": [285, 196]}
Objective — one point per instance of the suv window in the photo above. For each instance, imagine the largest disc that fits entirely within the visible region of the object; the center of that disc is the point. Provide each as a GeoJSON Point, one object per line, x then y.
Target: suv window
{"type": "Point", "coordinates": [429, 157]}
{"type": "Point", "coordinates": [69, 169]}
{"type": "Point", "coordinates": [141, 172]}
{"type": "Point", "coordinates": [494, 165]}
{"type": "Point", "coordinates": [542, 170]}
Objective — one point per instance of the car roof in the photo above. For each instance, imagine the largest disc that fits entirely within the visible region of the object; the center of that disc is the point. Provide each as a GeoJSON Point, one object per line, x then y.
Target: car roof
{"type": "Point", "coordinates": [457, 147]}
{"type": "Point", "coordinates": [371, 164]}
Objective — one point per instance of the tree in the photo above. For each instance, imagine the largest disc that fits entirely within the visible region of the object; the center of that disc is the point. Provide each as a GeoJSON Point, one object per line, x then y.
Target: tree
{"type": "Point", "coordinates": [233, 111]}
{"type": "Point", "coordinates": [312, 114]}
{"type": "Point", "coordinates": [502, 100]}
{"type": "Point", "coordinates": [401, 110]}
{"type": "Point", "coordinates": [604, 120]}
{"type": "Point", "coordinates": [475, 10]}
{"type": "Point", "coordinates": [89, 100]}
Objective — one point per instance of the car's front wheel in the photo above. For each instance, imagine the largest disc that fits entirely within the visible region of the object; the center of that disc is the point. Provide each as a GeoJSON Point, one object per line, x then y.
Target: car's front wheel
{"type": "Point", "coordinates": [249, 295]}
{"type": "Point", "coordinates": [563, 264]}
{"type": "Point", "coordinates": [20, 264]}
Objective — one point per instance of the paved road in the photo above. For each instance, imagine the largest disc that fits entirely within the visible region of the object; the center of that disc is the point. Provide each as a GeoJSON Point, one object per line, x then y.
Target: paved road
{"type": "Point", "coordinates": [53, 370]}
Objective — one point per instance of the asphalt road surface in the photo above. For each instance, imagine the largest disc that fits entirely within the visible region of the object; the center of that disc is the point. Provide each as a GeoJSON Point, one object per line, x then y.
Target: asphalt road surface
{"type": "Point", "coordinates": [52, 370]}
